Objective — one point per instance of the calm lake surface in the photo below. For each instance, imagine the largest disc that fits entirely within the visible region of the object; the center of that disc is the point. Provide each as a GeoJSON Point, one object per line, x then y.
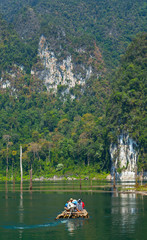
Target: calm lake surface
{"type": "Point", "coordinates": [31, 215]}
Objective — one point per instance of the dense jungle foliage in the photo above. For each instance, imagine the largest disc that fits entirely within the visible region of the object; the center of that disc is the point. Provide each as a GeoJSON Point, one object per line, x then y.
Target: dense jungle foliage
{"type": "Point", "coordinates": [13, 50]}
{"type": "Point", "coordinates": [64, 135]}
{"type": "Point", "coordinates": [72, 24]}
{"type": "Point", "coordinates": [51, 130]}
{"type": "Point", "coordinates": [60, 134]}
{"type": "Point", "coordinates": [127, 105]}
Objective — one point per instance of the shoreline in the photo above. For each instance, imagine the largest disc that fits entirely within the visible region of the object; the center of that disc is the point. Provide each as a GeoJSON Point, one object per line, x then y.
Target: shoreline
{"type": "Point", "coordinates": [143, 193]}
{"type": "Point", "coordinates": [56, 178]}
{"type": "Point", "coordinates": [64, 178]}
{"type": "Point", "coordinates": [108, 187]}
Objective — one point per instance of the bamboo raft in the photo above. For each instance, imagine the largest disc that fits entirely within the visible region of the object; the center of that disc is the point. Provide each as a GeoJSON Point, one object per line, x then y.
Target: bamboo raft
{"type": "Point", "coordinates": [65, 214]}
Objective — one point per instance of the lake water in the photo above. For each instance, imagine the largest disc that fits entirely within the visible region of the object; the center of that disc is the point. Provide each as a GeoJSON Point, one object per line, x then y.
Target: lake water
{"type": "Point", "coordinates": [31, 215]}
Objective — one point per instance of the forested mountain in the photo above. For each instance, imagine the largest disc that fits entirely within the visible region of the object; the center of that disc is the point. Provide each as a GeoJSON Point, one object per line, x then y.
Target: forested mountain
{"type": "Point", "coordinates": [72, 126]}
{"type": "Point", "coordinates": [77, 23]}
{"type": "Point", "coordinates": [127, 105]}
{"type": "Point", "coordinates": [13, 50]}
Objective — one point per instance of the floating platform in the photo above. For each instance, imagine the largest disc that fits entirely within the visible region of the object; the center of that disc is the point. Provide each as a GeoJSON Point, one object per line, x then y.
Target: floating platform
{"type": "Point", "coordinates": [66, 214]}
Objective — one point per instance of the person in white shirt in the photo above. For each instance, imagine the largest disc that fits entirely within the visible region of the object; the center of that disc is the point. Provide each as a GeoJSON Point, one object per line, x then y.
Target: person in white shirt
{"type": "Point", "coordinates": [70, 204]}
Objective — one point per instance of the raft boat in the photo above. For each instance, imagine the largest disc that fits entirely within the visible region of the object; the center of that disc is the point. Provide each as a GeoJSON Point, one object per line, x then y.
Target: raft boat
{"type": "Point", "coordinates": [66, 214]}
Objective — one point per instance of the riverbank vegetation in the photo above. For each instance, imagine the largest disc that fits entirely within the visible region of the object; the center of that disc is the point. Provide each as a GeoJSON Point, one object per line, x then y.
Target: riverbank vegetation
{"type": "Point", "coordinates": [53, 175]}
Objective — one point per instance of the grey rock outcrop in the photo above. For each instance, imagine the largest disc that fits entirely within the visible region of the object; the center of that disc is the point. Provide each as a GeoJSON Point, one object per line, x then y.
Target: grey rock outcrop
{"type": "Point", "coordinates": [56, 72]}
{"type": "Point", "coordinates": [124, 156]}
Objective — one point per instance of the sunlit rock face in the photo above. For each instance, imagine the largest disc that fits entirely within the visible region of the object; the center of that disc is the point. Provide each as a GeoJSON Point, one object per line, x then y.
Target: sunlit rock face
{"type": "Point", "coordinates": [124, 156]}
{"type": "Point", "coordinates": [56, 73]}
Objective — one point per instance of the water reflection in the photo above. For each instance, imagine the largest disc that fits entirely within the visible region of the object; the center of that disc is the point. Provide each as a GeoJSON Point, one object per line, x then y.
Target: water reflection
{"type": "Point", "coordinates": [21, 214]}
{"type": "Point", "coordinates": [126, 208]}
{"type": "Point", "coordinates": [74, 224]}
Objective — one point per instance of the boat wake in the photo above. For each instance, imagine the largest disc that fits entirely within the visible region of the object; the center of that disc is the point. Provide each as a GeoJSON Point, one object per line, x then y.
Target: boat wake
{"type": "Point", "coordinates": [22, 227]}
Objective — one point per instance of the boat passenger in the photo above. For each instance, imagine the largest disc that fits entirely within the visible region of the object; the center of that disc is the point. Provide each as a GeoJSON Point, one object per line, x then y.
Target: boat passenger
{"type": "Point", "coordinates": [71, 206]}
{"type": "Point", "coordinates": [66, 204]}
{"type": "Point", "coordinates": [75, 201]}
{"type": "Point", "coordinates": [83, 204]}
{"type": "Point", "coordinates": [79, 205]}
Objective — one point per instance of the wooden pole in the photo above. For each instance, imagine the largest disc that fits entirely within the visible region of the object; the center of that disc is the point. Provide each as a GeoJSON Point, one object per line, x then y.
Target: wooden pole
{"type": "Point", "coordinates": [14, 176]}
{"type": "Point", "coordinates": [21, 170]}
{"type": "Point", "coordinates": [91, 183]}
{"type": "Point", "coordinates": [7, 168]}
{"type": "Point", "coordinates": [7, 157]}
{"type": "Point", "coordinates": [31, 178]}
{"type": "Point", "coordinates": [6, 184]}
{"type": "Point", "coordinates": [114, 184]}
{"type": "Point", "coordinates": [141, 176]}
{"type": "Point", "coordinates": [12, 171]}
{"type": "Point", "coordinates": [136, 175]}
{"type": "Point", "coordinates": [6, 175]}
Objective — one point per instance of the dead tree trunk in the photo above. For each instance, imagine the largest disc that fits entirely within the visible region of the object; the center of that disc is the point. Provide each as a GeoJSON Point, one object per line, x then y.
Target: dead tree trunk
{"type": "Point", "coordinates": [21, 170]}
{"type": "Point", "coordinates": [136, 175]}
{"type": "Point", "coordinates": [13, 174]}
{"type": "Point", "coordinates": [14, 182]}
{"type": "Point", "coordinates": [7, 157]}
{"type": "Point", "coordinates": [31, 178]}
{"type": "Point", "coordinates": [141, 176]}
{"type": "Point", "coordinates": [6, 183]}
{"type": "Point", "coordinates": [114, 181]}
{"type": "Point", "coordinates": [91, 183]}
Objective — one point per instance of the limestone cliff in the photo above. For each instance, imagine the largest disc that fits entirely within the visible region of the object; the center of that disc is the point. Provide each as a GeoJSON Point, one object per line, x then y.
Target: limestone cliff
{"type": "Point", "coordinates": [54, 72]}
{"type": "Point", "coordinates": [124, 156]}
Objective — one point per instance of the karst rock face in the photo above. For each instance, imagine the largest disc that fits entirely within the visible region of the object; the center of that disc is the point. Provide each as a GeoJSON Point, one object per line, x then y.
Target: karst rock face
{"type": "Point", "coordinates": [55, 72]}
{"type": "Point", "coordinates": [124, 156]}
